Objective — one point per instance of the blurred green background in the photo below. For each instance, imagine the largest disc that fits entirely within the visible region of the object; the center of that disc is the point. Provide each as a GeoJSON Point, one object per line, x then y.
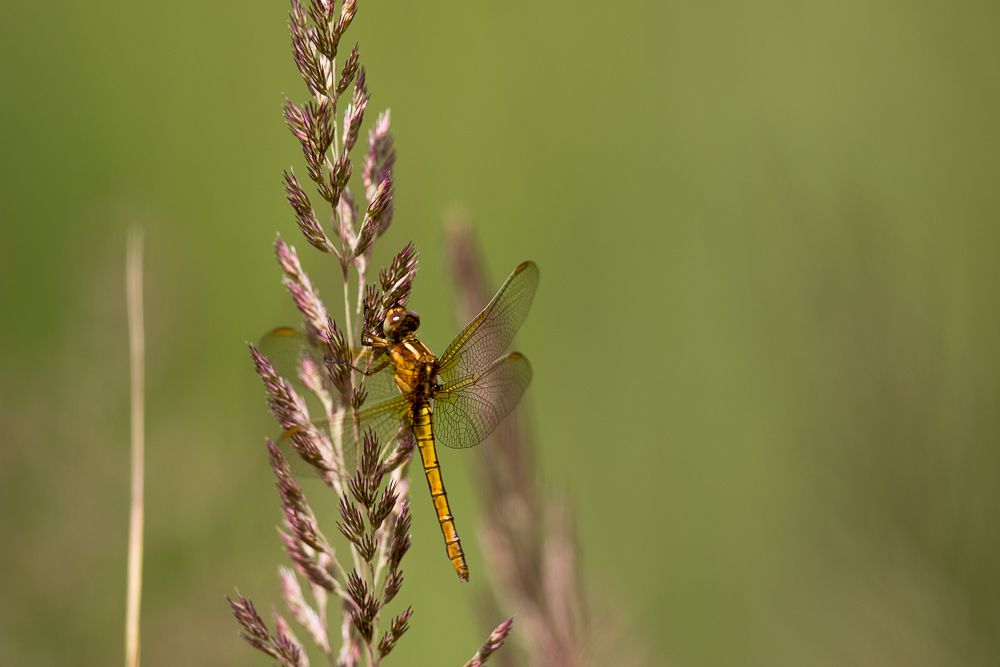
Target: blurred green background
{"type": "Point", "coordinates": [765, 345]}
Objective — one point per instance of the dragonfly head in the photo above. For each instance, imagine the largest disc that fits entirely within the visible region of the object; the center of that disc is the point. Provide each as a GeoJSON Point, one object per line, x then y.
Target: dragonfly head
{"type": "Point", "coordinates": [399, 322]}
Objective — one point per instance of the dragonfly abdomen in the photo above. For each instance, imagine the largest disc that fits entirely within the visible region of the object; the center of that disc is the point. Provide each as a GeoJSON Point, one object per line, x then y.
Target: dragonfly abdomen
{"type": "Point", "coordinates": [423, 431]}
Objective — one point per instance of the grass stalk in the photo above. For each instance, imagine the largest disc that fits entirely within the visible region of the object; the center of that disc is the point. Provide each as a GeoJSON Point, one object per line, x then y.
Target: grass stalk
{"type": "Point", "coordinates": [136, 340]}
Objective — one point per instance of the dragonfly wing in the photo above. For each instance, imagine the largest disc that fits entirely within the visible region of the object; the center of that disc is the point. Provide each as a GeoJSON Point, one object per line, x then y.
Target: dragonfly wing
{"type": "Point", "coordinates": [286, 347]}
{"type": "Point", "coordinates": [467, 410]}
{"type": "Point", "coordinates": [381, 386]}
{"type": "Point", "coordinates": [490, 333]}
{"type": "Point", "coordinates": [385, 419]}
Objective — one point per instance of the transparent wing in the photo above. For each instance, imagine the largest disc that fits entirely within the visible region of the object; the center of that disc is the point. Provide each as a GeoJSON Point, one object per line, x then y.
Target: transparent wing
{"type": "Point", "coordinates": [386, 419]}
{"type": "Point", "coordinates": [490, 332]}
{"type": "Point", "coordinates": [381, 386]}
{"type": "Point", "coordinates": [287, 346]}
{"type": "Point", "coordinates": [468, 409]}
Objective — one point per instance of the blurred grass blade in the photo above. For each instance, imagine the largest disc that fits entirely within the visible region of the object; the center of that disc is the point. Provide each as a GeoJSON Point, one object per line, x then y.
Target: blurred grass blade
{"type": "Point", "coordinates": [493, 642]}
{"type": "Point", "coordinates": [136, 335]}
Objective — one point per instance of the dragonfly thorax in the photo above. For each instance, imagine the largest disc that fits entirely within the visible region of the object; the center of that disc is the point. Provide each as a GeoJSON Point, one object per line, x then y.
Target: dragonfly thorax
{"type": "Point", "coordinates": [414, 365]}
{"type": "Point", "coordinates": [399, 323]}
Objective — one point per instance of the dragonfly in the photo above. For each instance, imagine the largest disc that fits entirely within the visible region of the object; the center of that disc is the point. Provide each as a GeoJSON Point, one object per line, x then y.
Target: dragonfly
{"type": "Point", "coordinates": [456, 399]}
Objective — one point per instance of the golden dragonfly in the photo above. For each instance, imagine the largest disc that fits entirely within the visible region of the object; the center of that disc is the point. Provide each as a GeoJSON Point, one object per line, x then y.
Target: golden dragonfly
{"type": "Point", "coordinates": [456, 399]}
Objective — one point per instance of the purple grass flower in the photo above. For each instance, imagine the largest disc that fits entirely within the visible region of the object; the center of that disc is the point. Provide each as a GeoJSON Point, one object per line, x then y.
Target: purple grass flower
{"type": "Point", "coordinates": [369, 482]}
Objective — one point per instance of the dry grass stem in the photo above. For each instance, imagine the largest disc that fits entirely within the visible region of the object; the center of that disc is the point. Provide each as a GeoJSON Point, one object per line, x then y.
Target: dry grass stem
{"type": "Point", "coordinates": [136, 339]}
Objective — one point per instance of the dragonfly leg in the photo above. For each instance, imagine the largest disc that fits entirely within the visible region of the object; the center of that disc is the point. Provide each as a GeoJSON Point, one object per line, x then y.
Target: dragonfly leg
{"type": "Point", "coordinates": [372, 371]}
{"type": "Point", "coordinates": [374, 342]}
{"type": "Point", "coordinates": [364, 371]}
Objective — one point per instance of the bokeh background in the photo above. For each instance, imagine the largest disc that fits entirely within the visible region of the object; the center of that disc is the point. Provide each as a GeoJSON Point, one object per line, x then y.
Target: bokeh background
{"type": "Point", "coordinates": [765, 345]}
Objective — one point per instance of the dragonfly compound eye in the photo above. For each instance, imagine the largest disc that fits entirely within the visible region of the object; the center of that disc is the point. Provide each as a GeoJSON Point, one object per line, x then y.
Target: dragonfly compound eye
{"type": "Point", "coordinates": [399, 322]}
{"type": "Point", "coordinates": [411, 322]}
